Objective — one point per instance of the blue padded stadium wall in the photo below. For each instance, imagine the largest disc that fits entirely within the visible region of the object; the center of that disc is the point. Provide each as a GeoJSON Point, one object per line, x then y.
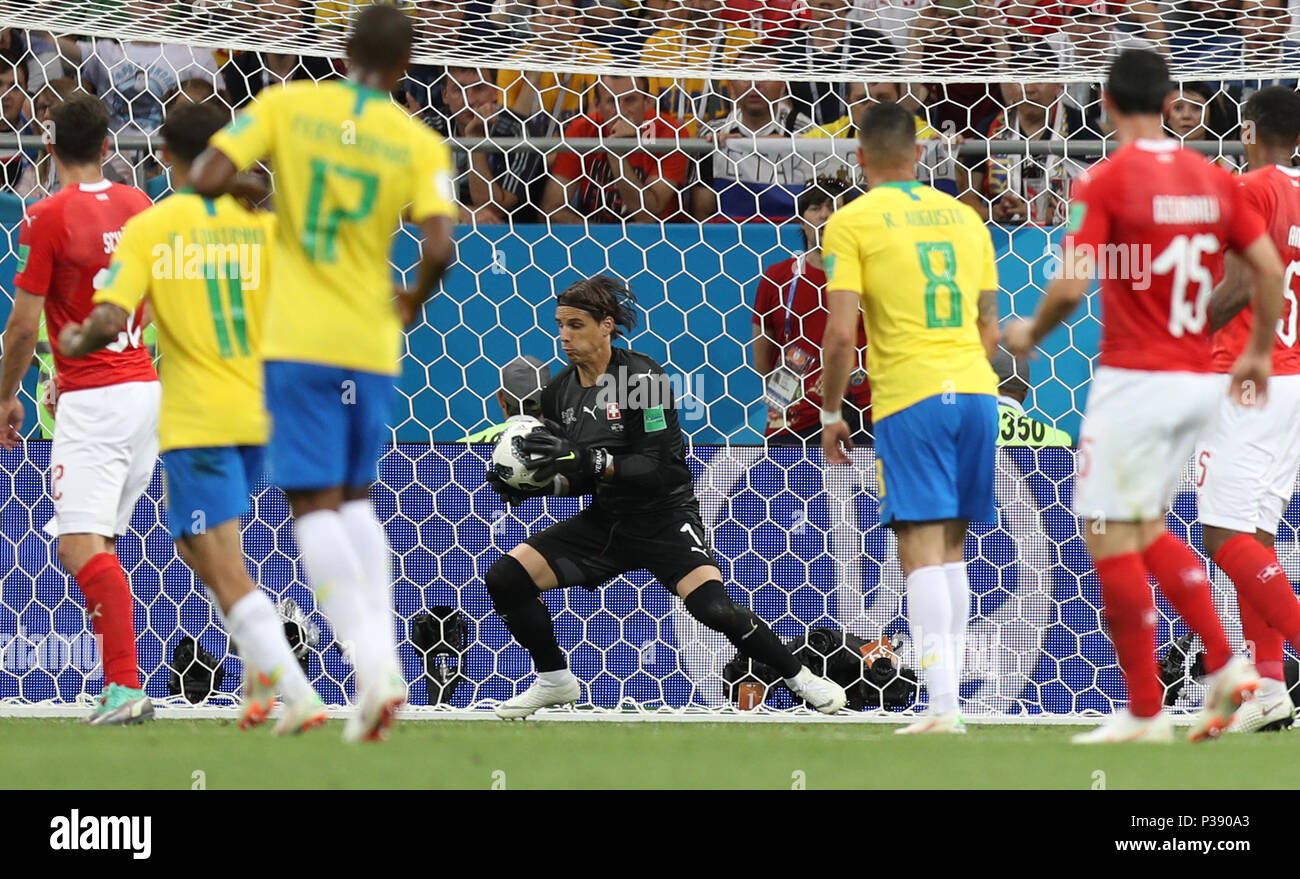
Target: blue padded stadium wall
{"type": "Point", "coordinates": [770, 515]}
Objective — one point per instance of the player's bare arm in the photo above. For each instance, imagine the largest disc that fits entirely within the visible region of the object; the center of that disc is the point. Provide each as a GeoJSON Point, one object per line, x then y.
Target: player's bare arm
{"type": "Point", "coordinates": [214, 174]}
{"type": "Point", "coordinates": [436, 253]}
{"type": "Point", "coordinates": [1232, 294]}
{"type": "Point", "coordinates": [988, 321]}
{"type": "Point", "coordinates": [102, 327]}
{"type": "Point", "coordinates": [19, 349]}
{"type": "Point", "coordinates": [839, 346]}
{"type": "Point", "coordinates": [1061, 299]}
{"type": "Point", "coordinates": [1253, 368]}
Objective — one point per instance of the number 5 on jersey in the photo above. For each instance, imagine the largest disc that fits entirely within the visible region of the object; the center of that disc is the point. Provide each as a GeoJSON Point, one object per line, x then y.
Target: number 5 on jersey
{"type": "Point", "coordinates": [1286, 324]}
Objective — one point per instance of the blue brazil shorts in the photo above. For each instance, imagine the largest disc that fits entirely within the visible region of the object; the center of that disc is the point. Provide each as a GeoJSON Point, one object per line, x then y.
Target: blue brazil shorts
{"type": "Point", "coordinates": [936, 460]}
{"type": "Point", "coordinates": [208, 486]}
{"type": "Point", "coordinates": [328, 424]}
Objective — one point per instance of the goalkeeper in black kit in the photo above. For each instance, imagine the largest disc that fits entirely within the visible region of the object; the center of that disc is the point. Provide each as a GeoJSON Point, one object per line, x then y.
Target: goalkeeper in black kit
{"type": "Point", "coordinates": [612, 432]}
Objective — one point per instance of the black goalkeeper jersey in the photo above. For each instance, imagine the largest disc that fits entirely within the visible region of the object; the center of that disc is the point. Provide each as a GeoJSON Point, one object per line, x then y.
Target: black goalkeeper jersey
{"type": "Point", "coordinates": [631, 412]}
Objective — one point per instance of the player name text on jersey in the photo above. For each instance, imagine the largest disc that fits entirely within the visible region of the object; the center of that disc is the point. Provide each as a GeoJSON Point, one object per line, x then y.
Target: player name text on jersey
{"type": "Point", "coordinates": [1178, 210]}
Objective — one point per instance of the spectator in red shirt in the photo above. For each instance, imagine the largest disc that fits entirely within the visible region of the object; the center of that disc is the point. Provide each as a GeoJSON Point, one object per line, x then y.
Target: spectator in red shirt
{"type": "Point", "coordinates": [604, 186]}
{"type": "Point", "coordinates": [789, 322]}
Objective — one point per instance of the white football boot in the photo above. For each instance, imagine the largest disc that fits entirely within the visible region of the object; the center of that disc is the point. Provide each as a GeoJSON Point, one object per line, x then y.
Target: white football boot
{"type": "Point", "coordinates": [537, 696]}
{"type": "Point", "coordinates": [1271, 708]}
{"type": "Point", "coordinates": [379, 704]}
{"type": "Point", "coordinates": [300, 716]}
{"type": "Point", "coordinates": [823, 694]}
{"type": "Point", "coordinates": [1225, 690]}
{"type": "Point", "coordinates": [947, 723]}
{"type": "Point", "coordinates": [258, 700]}
{"type": "Point", "coordinates": [1124, 727]}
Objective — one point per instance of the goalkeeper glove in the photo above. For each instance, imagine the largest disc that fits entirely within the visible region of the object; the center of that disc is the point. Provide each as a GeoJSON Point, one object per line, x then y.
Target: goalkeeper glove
{"type": "Point", "coordinates": [551, 452]}
{"type": "Point", "coordinates": [515, 496]}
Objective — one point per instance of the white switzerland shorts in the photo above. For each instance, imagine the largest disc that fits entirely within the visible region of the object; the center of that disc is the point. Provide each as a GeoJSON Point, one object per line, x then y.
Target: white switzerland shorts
{"type": "Point", "coordinates": [1246, 467]}
{"type": "Point", "coordinates": [102, 457]}
{"type": "Point", "coordinates": [1138, 431]}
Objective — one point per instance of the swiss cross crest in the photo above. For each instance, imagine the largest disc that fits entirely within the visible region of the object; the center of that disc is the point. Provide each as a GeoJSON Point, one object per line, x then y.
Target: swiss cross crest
{"type": "Point", "coordinates": [612, 413]}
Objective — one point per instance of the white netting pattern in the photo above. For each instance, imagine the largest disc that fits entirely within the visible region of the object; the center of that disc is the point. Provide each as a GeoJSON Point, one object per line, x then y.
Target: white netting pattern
{"type": "Point", "coordinates": [705, 205]}
{"type": "Point", "coordinates": [979, 40]}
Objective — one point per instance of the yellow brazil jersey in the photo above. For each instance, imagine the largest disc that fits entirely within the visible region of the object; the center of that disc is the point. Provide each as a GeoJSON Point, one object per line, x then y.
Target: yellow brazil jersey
{"type": "Point", "coordinates": [347, 162]}
{"type": "Point", "coordinates": [918, 259]}
{"type": "Point", "coordinates": [204, 265]}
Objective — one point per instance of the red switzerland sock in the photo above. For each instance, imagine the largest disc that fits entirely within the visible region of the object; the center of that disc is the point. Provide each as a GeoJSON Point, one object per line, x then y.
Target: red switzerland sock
{"type": "Point", "coordinates": [1182, 581]}
{"type": "Point", "coordinates": [108, 599]}
{"type": "Point", "coordinates": [1130, 612]}
{"type": "Point", "coordinates": [1263, 641]}
{"type": "Point", "coordinates": [1262, 584]}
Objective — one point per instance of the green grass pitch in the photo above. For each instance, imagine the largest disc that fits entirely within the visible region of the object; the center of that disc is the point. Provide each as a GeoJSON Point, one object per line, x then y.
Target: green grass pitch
{"type": "Point", "coordinates": [539, 754]}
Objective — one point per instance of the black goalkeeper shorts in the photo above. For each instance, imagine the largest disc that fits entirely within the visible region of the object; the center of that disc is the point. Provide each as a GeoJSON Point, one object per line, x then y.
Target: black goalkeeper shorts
{"type": "Point", "coordinates": [591, 547]}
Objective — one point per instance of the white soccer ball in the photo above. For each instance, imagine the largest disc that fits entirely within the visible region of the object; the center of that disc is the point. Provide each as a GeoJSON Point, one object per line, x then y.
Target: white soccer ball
{"type": "Point", "coordinates": [509, 461]}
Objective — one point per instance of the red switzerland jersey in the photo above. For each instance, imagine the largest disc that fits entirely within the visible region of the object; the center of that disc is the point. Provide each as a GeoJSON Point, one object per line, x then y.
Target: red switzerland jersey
{"type": "Point", "coordinates": [800, 350]}
{"type": "Point", "coordinates": [66, 240]}
{"type": "Point", "coordinates": [1158, 219]}
{"type": "Point", "coordinates": [1273, 195]}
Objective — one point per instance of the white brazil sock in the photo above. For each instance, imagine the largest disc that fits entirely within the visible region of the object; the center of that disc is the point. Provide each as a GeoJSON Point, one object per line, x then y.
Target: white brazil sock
{"type": "Point", "coordinates": [929, 616]}
{"type": "Point", "coordinates": [959, 598]}
{"type": "Point", "coordinates": [259, 634]}
{"type": "Point", "coordinates": [338, 580]}
{"type": "Point", "coordinates": [370, 544]}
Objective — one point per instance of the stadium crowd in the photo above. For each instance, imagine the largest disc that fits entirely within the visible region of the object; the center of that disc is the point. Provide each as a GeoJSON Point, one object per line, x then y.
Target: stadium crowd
{"type": "Point", "coordinates": [737, 176]}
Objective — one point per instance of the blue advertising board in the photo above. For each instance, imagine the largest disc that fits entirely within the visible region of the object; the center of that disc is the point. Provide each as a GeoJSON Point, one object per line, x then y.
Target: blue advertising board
{"type": "Point", "coordinates": [802, 545]}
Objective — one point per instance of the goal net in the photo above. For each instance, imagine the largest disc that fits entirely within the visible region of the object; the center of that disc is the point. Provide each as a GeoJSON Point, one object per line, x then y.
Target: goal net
{"type": "Point", "coordinates": [677, 145]}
